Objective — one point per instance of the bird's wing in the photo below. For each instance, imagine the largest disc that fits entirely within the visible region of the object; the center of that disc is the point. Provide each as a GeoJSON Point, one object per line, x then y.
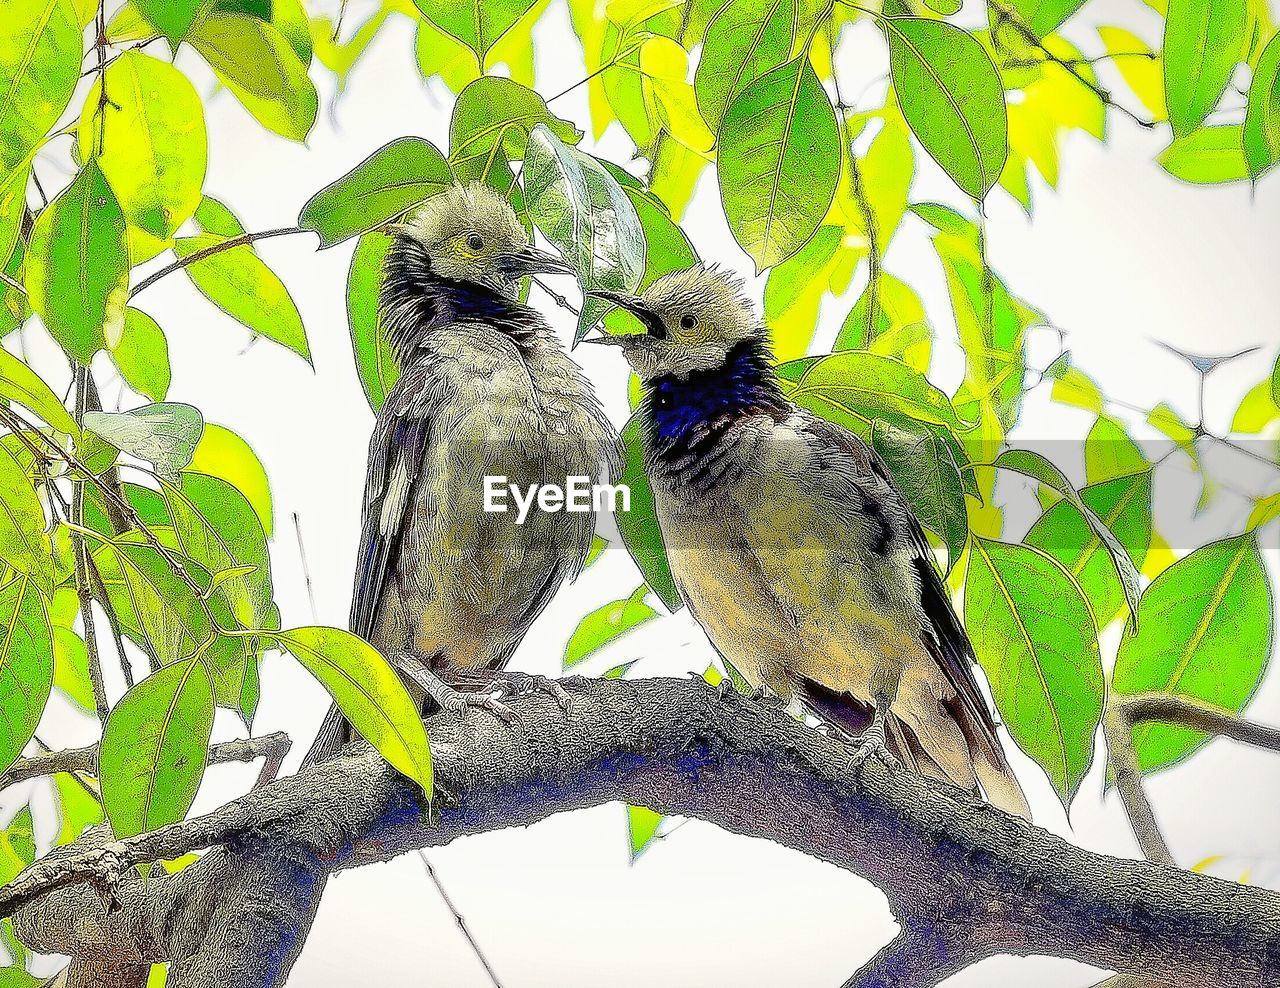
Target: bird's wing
{"type": "Point", "coordinates": [946, 639]}
{"type": "Point", "coordinates": [396, 452]}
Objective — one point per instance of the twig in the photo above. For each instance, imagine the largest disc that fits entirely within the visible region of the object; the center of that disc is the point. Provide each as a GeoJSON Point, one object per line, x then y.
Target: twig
{"type": "Point", "coordinates": [462, 923]}
{"type": "Point", "coordinates": [1123, 761]}
{"type": "Point", "coordinates": [17, 287]}
{"type": "Point", "coordinates": [200, 255]}
{"type": "Point", "coordinates": [558, 299]}
{"type": "Point", "coordinates": [1010, 17]}
{"type": "Point", "coordinates": [306, 570]}
{"type": "Point", "coordinates": [1189, 712]}
{"type": "Point", "coordinates": [72, 760]}
{"type": "Point", "coordinates": [80, 552]}
{"type": "Point", "coordinates": [591, 75]}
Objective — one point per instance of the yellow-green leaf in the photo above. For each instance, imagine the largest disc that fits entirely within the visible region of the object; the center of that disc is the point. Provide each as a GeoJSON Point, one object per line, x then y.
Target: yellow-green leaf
{"type": "Point", "coordinates": [153, 144]}
{"type": "Point", "coordinates": [77, 269]}
{"type": "Point", "coordinates": [1203, 43]}
{"type": "Point", "coordinates": [239, 283]}
{"type": "Point", "coordinates": [779, 162]}
{"type": "Point", "coordinates": [40, 53]}
{"type": "Point", "coordinates": [155, 747]}
{"type": "Point", "coordinates": [951, 97]}
{"type": "Point", "coordinates": [20, 383]}
{"type": "Point", "coordinates": [1206, 632]}
{"type": "Point", "coordinates": [257, 63]}
{"type": "Point", "coordinates": [1035, 638]}
{"type": "Point", "coordinates": [26, 666]}
{"type": "Point", "coordinates": [369, 693]}
{"type": "Point", "coordinates": [1261, 134]}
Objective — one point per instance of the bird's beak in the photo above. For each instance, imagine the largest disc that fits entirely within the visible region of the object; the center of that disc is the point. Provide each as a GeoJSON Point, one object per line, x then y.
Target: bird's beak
{"type": "Point", "coordinates": [607, 339]}
{"type": "Point", "coordinates": [652, 321]}
{"type": "Point", "coordinates": [531, 260]}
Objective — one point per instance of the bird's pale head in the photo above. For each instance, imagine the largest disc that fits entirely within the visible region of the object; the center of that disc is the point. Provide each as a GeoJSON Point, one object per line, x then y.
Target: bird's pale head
{"type": "Point", "coordinates": [693, 319]}
{"type": "Point", "coordinates": [470, 233]}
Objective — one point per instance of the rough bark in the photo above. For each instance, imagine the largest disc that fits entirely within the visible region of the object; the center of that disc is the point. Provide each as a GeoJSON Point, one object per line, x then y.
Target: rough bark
{"type": "Point", "coordinates": [965, 880]}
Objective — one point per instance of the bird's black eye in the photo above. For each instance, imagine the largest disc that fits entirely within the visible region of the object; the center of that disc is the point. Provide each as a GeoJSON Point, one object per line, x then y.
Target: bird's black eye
{"type": "Point", "coordinates": [688, 322]}
{"type": "Point", "coordinates": [475, 243]}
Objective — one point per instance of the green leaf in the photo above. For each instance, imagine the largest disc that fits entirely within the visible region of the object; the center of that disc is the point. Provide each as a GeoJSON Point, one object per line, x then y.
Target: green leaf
{"type": "Point", "coordinates": [1123, 505]}
{"type": "Point", "coordinates": [78, 266]}
{"type": "Point", "coordinates": [370, 695]}
{"type": "Point", "coordinates": [639, 526]}
{"type": "Point", "coordinates": [779, 161]}
{"type": "Point", "coordinates": [154, 748]}
{"type": "Point", "coordinates": [952, 98]}
{"type": "Point", "coordinates": [1209, 156]}
{"type": "Point", "coordinates": [172, 18]}
{"type": "Point", "coordinates": [491, 123]}
{"type": "Point", "coordinates": [154, 149]}
{"type": "Point", "coordinates": [79, 808]}
{"type": "Point", "coordinates": [478, 24]}
{"type": "Point", "coordinates": [388, 182]}
{"type": "Point", "coordinates": [142, 355]}
{"type": "Point", "coordinates": [642, 829]}
{"type": "Point", "coordinates": [1035, 466]}
{"type": "Point", "coordinates": [239, 283]}
{"type": "Point", "coordinates": [221, 453]}
{"type": "Point", "coordinates": [607, 624]}
{"type": "Point", "coordinates": [20, 383]}
{"type": "Point", "coordinates": [256, 62]}
{"type": "Point", "coordinates": [1261, 135]}
{"type": "Point", "coordinates": [40, 54]}
{"type": "Point", "coordinates": [859, 386]}
{"type": "Point", "coordinates": [1258, 409]}
{"type": "Point", "coordinates": [155, 606]}
{"type": "Point", "coordinates": [1206, 633]}
{"type": "Point", "coordinates": [1044, 17]}
{"type": "Point", "coordinates": [1203, 43]}
{"type": "Point", "coordinates": [925, 470]}
{"type": "Point", "coordinates": [214, 217]}
{"type": "Point", "coordinates": [667, 247]}
{"type": "Point", "coordinates": [1110, 453]}
{"type": "Point", "coordinates": [744, 41]}
{"type": "Point", "coordinates": [17, 846]}
{"type": "Point", "coordinates": [216, 527]}
{"type": "Point", "coordinates": [1035, 638]}
{"type": "Point", "coordinates": [24, 545]}
{"type": "Point", "coordinates": [71, 668]}
{"type": "Point", "coordinates": [898, 327]}
{"type": "Point", "coordinates": [376, 365]}
{"type": "Point", "coordinates": [26, 666]}
{"type": "Point", "coordinates": [164, 434]}
{"type": "Point", "coordinates": [13, 210]}
{"type": "Point", "coordinates": [581, 209]}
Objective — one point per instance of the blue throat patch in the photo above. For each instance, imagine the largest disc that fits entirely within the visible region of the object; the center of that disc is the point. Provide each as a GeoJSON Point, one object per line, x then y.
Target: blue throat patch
{"type": "Point", "coordinates": [743, 385]}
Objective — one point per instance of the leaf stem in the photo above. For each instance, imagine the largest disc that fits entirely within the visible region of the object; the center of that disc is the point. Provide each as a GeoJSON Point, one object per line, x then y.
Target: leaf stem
{"type": "Point", "coordinates": [200, 255]}
{"type": "Point", "coordinates": [81, 565]}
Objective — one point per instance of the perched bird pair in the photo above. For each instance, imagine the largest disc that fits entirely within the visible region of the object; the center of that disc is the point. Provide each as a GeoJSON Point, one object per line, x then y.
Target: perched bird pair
{"type": "Point", "coordinates": [785, 533]}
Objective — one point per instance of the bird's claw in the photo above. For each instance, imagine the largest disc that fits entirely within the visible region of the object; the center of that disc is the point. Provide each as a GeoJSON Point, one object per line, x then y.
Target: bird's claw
{"type": "Point", "coordinates": [518, 684]}
{"type": "Point", "coordinates": [873, 741]}
{"type": "Point", "coordinates": [458, 703]}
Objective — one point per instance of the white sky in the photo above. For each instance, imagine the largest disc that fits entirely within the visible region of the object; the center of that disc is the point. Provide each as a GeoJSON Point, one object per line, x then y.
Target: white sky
{"type": "Point", "coordinates": [1120, 255]}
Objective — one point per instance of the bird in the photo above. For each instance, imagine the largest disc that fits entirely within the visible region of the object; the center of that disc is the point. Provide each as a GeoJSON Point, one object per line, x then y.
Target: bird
{"type": "Point", "coordinates": [443, 588]}
{"type": "Point", "coordinates": [792, 546]}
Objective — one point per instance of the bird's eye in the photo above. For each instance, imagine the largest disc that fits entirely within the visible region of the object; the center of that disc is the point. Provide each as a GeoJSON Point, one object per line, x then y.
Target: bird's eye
{"type": "Point", "coordinates": [474, 243]}
{"type": "Point", "coordinates": [688, 322]}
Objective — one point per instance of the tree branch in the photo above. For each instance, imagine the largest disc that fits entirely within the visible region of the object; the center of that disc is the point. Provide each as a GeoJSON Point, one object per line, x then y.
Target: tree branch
{"type": "Point", "coordinates": [200, 255]}
{"type": "Point", "coordinates": [272, 747]}
{"type": "Point", "coordinates": [960, 875]}
{"type": "Point", "coordinates": [1197, 715]}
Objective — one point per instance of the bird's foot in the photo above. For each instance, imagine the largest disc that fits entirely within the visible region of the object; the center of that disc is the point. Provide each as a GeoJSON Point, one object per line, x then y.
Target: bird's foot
{"type": "Point", "coordinates": [873, 741]}
{"type": "Point", "coordinates": [452, 700]}
{"type": "Point", "coordinates": [517, 684]}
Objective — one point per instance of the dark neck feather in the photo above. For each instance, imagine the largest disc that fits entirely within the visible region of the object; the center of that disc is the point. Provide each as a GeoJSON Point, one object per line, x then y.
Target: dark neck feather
{"type": "Point", "coordinates": [415, 301]}
{"type": "Point", "coordinates": [689, 413]}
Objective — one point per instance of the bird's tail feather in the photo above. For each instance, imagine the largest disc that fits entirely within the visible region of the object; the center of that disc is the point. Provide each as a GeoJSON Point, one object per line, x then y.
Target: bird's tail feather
{"type": "Point", "coordinates": [999, 784]}
{"type": "Point", "coordinates": [980, 758]}
{"type": "Point", "coordinates": [334, 733]}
